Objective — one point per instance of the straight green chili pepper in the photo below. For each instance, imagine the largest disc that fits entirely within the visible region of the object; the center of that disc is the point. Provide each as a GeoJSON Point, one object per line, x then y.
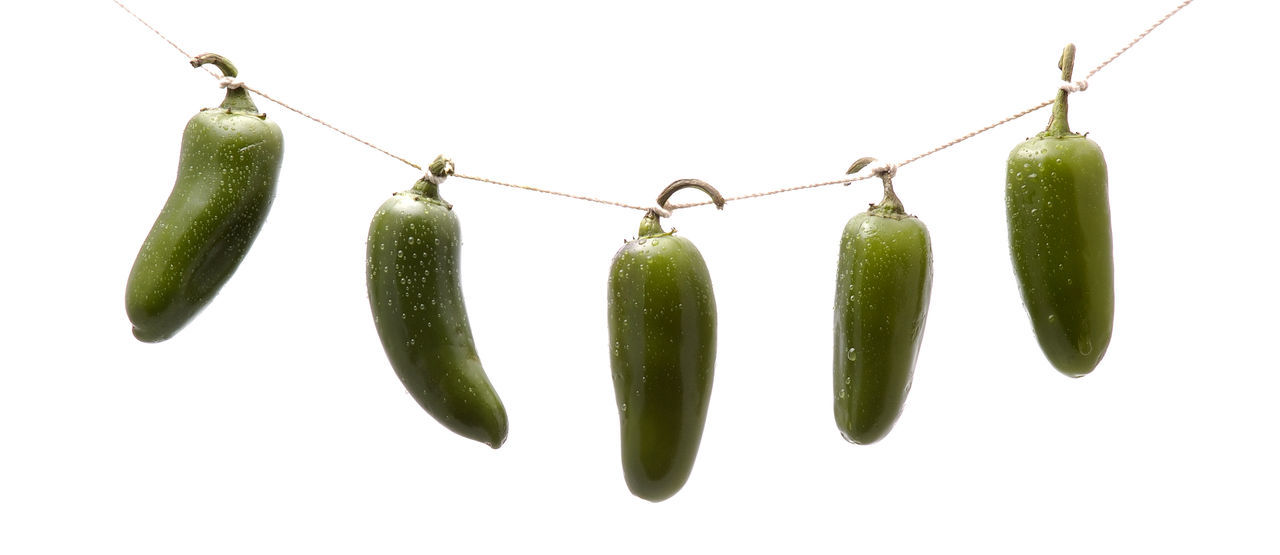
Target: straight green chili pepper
{"type": "Point", "coordinates": [883, 281]}
{"type": "Point", "coordinates": [415, 294]}
{"type": "Point", "coordinates": [227, 173]}
{"type": "Point", "coordinates": [662, 328]}
{"type": "Point", "coordinates": [1060, 239]}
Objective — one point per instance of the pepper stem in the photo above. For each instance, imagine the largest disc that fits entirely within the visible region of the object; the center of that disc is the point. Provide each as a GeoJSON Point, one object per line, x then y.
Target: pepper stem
{"type": "Point", "coordinates": [441, 167]}
{"type": "Point", "coordinates": [429, 184]}
{"type": "Point", "coordinates": [890, 204]}
{"type": "Point", "coordinates": [1058, 126]}
{"type": "Point", "coordinates": [224, 65]}
{"type": "Point", "coordinates": [698, 184]}
{"type": "Point", "coordinates": [651, 224]}
{"type": "Point", "coordinates": [237, 99]}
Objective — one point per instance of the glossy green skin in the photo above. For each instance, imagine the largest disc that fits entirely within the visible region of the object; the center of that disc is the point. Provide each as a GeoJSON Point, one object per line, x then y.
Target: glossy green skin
{"type": "Point", "coordinates": [227, 173]}
{"type": "Point", "coordinates": [415, 295]}
{"type": "Point", "coordinates": [883, 280]}
{"type": "Point", "coordinates": [1060, 242]}
{"type": "Point", "coordinates": [662, 329]}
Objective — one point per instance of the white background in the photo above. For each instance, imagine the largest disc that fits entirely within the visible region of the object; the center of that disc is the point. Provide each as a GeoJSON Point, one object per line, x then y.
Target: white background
{"type": "Point", "coordinates": [273, 424]}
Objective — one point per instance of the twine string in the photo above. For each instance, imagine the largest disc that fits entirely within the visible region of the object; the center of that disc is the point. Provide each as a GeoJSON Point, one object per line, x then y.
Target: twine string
{"type": "Point", "coordinates": [330, 126]}
{"type": "Point", "coordinates": [1071, 87]}
{"type": "Point", "coordinates": [1135, 40]}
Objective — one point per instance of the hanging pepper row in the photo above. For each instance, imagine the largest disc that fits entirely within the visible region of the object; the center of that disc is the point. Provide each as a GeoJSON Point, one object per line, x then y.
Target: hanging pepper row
{"type": "Point", "coordinates": [661, 306]}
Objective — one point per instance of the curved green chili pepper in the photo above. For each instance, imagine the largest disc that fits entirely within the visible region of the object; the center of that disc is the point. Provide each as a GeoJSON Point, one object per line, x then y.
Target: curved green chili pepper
{"type": "Point", "coordinates": [1060, 239]}
{"type": "Point", "coordinates": [227, 174]}
{"type": "Point", "coordinates": [662, 328]}
{"type": "Point", "coordinates": [415, 295]}
{"type": "Point", "coordinates": [883, 281]}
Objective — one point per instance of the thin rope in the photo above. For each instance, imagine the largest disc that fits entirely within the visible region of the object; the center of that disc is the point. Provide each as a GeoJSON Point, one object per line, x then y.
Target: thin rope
{"type": "Point", "coordinates": [153, 29]}
{"type": "Point", "coordinates": [1081, 85]}
{"type": "Point", "coordinates": [239, 83]}
{"type": "Point", "coordinates": [549, 192]}
{"type": "Point", "coordinates": [847, 181]}
{"type": "Point", "coordinates": [1135, 40]}
{"type": "Point", "coordinates": [175, 46]}
{"type": "Point", "coordinates": [727, 200]}
{"type": "Point", "coordinates": [972, 134]}
{"type": "Point", "coordinates": [326, 124]}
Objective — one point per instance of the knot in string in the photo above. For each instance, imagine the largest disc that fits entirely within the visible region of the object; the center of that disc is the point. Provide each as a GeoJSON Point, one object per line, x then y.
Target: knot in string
{"type": "Point", "coordinates": [874, 167]}
{"type": "Point", "coordinates": [439, 170]}
{"type": "Point", "coordinates": [885, 170]}
{"type": "Point", "coordinates": [1074, 86]}
{"type": "Point", "coordinates": [230, 83]}
{"type": "Point", "coordinates": [660, 210]}
{"type": "Point", "coordinates": [434, 179]}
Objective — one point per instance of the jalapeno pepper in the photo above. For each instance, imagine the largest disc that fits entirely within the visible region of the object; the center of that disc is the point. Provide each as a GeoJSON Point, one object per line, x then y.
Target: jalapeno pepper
{"type": "Point", "coordinates": [883, 281]}
{"type": "Point", "coordinates": [1060, 239]}
{"type": "Point", "coordinates": [662, 331]}
{"type": "Point", "coordinates": [227, 171]}
{"type": "Point", "coordinates": [415, 295]}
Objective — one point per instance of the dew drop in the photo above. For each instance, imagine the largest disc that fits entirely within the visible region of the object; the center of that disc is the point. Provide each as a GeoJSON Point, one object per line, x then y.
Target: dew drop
{"type": "Point", "coordinates": [853, 355]}
{"type": "Point", "coordinates": [1085, 346]}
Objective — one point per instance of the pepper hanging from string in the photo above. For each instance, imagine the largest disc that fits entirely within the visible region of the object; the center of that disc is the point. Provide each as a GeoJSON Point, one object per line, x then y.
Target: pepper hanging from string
{"type": "Point", "coordinates": [1059, 220]}
{"type": "Point", "coordinates": [662, 335]}
{"type": "Point", "coordinates": [884, 277]}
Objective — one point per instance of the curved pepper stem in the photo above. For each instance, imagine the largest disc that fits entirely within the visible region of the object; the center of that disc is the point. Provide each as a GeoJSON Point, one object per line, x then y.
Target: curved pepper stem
{"type": "Point", "coordinates": [651, 224]}
{"type": "Point", "coordinates": [237, 99]}
{"type": "Point", "coordinates": [698, 184]}
{"type": "Point", "coordinates": [224, 65]}
{"type": "Point", "coordinates": [1058, 121]}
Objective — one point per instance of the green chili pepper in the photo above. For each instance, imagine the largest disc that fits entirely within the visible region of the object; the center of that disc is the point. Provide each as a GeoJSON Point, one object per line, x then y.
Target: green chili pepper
{"type": "Point", "coordinates": [883, 280]}
{"type": "Point", "coordinates": [662, 327]}
{"type": "Point", "coordinates": [227, 174]}
{"type": "Point", "coordinates": [416, 298]}
{"type": "Point", "coordinates": [1060, 239]}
